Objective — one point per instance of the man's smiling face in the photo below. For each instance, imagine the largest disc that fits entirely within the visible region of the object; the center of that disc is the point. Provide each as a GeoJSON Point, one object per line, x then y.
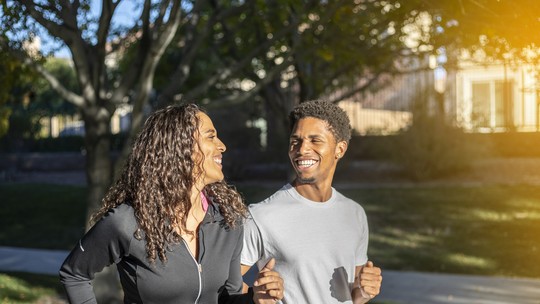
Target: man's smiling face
{"type": "Point", "coordinates": [313, 151]}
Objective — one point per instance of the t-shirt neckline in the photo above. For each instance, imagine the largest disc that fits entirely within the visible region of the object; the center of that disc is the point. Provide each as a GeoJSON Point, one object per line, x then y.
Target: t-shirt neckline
{"type": "Point", "coordinates": [297, 196]}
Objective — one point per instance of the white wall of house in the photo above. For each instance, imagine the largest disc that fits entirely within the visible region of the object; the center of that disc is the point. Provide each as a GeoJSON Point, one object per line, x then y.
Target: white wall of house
{"type": "Point", "coordinates": [375, 121]}
{"type": "Point", "coordinates": [480, 103]}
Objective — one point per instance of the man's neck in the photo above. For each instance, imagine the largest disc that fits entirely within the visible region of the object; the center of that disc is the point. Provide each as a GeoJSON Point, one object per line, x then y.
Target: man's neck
{"type": "Point", "coordinates": [317, 192]}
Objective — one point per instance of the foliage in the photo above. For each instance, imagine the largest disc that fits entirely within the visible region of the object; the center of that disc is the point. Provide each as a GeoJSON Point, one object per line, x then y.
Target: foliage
{"type": "Point", "coordinates": [47, 99]}
{"type": "Point", "coordinates": [431, 148]}
{"type": "Point", "coordinates": [14, 86]}
{"type": "Point", "coordinates": [498, 28]}
{"type": "Point", "coordinates": [31, 99]}
{"type": "Point", "coordinates": [23, 123]}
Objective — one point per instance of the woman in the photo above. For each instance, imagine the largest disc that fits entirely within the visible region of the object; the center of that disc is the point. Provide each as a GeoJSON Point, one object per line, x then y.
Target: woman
{"type": "Point", "coordinates": [170, 223]}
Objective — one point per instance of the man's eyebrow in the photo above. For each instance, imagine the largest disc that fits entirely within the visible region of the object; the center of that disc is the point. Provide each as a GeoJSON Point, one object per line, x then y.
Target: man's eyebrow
{"type": "Point", "coordinates": [209, 131]}
{"type": "Point", "coordinates": [309, 136]}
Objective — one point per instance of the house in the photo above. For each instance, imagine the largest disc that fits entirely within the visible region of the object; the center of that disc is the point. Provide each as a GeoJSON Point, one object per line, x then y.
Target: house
{"type": "Point", "coordinates": [497, 97]}
{"type": "Point", "coordinates": [478, 97]}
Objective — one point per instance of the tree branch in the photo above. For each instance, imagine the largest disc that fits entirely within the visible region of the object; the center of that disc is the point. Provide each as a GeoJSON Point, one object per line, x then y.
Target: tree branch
{"type": "Point", "coordinates": [356, 90]}
{"type": "Point", "coordinates": [60, 31]}
{"type": "Point", "coordinates": [105, 21]}
{"type": "Point", "coordinates": [233, 99]}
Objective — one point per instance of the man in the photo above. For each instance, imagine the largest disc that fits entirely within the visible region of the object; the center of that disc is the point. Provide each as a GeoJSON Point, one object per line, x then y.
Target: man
{"type": "Point", "coordinates": [318, 237]}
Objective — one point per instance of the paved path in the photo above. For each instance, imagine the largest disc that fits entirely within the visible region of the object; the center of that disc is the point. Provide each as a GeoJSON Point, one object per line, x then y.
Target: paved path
{"type": "Point", "coordinates": [428, 288]}
{"type": "Point", "coordinates": [31, 260]}
{"type": "Point", "coordinates": [435, 288]}
{"type": "Point", "coordinates": [398, 286]}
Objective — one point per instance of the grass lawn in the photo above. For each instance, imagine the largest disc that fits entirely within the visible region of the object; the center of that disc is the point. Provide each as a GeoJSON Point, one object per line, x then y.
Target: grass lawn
{"type": "Point", "coordinates": [489, 230]}
{"type": "Point", "coordinates": [485, 230]}
{"type": "Point", "coordinates": [38, 216]}
{"type": "Point", "coordinates": [21, 288]}
{"type": "Point", "coordinates": [41, 216]}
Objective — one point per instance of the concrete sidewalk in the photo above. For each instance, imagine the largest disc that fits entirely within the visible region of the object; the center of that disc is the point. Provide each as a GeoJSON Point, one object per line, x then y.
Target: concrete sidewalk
{"type": "Point", "coordinates": [398, 286]}
{"type": "Point", "coordinates": [415, 287]}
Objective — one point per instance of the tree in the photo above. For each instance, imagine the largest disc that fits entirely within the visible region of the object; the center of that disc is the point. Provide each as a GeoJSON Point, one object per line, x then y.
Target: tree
{"type": "Point", "coordinates": [225, 52]}
{"type": "Point", "coordinates": [14, 80]}
{"type": "Point", "coordinates": [88, 38]}
{"type": "Point", "coordinates": [286, 52]}
{"type": "Point", "coordinates": [304, 48]}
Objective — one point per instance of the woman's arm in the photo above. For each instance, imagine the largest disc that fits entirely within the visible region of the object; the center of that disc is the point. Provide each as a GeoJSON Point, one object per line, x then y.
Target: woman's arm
{"type": "Point", "coordinates": [268, 285]}
{"type": "Point", "coordinates": [232, 291]}
{"type": "Point", "coordinates": [105, 243]}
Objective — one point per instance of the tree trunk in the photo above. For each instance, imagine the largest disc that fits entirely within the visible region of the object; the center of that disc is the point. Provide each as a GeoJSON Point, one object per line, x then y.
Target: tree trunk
{"type": "Point", "coordinates": [98, 160]}
{"type": "Point", "coordinates": [99, 177]}
{"type": "Point", "coordinates": [277, 127]}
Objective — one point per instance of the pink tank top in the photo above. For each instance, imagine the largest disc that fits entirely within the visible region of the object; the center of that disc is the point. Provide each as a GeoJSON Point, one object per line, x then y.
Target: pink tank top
{"type": "Point", "coordinates": [204, 202]}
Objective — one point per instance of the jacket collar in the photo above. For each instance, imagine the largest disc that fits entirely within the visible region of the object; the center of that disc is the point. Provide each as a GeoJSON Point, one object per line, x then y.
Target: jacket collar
{"type": "Point", "coordinates": [213, 214]}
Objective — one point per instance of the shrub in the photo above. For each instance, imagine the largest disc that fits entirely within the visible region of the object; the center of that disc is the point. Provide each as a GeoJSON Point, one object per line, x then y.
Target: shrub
{"type": "Point", "coordinates": [431, 148]}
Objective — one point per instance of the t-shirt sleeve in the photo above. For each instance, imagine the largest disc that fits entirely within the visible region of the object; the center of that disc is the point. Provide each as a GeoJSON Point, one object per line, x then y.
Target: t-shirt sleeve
{"type": "Point", "coordinates": [363, 235]}
{"type": "Point", "coordinates": [104, 244]}
{"type": "Point", "coordinates": [253, 245]}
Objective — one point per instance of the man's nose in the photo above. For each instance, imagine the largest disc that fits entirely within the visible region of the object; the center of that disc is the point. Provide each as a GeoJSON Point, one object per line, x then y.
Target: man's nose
{"type": "Point", "coordinates": [304, 147]}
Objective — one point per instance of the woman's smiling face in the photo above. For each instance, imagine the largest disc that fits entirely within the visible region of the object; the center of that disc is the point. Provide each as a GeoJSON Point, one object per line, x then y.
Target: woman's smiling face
{"type": "Point", "coordinates": [207, 153]}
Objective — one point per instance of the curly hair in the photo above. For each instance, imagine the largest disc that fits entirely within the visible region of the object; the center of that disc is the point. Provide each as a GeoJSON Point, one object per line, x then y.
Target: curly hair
{"type": "Point", "coordinates": [158, 177]}
{"type": "Point", "coordinates": [334, 116]}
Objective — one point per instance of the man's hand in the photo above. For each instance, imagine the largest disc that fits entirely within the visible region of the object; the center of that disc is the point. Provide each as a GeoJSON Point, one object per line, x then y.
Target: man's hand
{"type": "Point", "coordinates": [268, 287]}
{"type": "Point", "coordinates": [367, 284]}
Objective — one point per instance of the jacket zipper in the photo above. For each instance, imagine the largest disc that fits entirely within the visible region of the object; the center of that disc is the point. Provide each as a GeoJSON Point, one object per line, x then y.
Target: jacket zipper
{"type": "Point", "coordinates": [199, 271]}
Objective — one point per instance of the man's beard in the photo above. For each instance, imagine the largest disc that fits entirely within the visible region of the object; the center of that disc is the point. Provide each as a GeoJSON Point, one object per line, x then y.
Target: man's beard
{"type": "Point", "coordinates": [308, 180]}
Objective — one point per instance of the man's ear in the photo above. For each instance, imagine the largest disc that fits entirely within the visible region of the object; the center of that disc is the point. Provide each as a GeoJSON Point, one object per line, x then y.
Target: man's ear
{"type": "Point", "coordinates": [341, 148]}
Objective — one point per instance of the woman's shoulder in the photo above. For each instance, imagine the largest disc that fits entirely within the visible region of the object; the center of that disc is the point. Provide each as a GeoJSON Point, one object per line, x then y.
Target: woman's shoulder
{"type": "Point", "coordinates": [119, 219]}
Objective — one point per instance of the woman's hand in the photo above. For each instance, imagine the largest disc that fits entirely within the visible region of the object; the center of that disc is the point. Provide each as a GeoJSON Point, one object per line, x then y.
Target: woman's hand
{"type": "Point", "coordinates": [268, 287]}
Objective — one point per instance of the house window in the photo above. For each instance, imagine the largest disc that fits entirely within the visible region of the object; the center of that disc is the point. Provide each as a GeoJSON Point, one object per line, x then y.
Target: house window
{"type": "Point", "coordinates": [488, 100]}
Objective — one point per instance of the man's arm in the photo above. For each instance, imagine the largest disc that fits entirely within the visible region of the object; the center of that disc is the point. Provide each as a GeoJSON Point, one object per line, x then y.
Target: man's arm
{"type": "Point", "coordinates": [367, 283]}
{"type": "Point", "coordinates": [268, 287]}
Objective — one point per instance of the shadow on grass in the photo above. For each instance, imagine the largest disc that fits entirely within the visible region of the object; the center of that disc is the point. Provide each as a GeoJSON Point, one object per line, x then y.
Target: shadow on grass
{"type": "Point", "coordinates": [485, 230]}
{"type": "Point", "coordinates": [19, 288]}
{"type": "Point", "coordinates": [41, 216]}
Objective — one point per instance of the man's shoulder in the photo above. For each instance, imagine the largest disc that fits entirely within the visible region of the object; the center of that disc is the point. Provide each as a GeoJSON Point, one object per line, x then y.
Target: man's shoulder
{"type": "Point", "coordinates": [348, 202]}
{"type": "Point", "coordinates": [274, 203]}
{"type": "Point", "coordinates": [276, 198]}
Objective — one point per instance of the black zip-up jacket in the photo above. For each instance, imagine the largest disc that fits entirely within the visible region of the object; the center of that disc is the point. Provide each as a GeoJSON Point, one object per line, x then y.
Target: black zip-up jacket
{"type": "Point", "coordinates": [214, 277]}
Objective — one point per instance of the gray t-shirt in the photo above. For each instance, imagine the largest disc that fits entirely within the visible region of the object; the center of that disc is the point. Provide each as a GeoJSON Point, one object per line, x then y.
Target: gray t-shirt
{"type": "Point", "coordinates": [316, 245]}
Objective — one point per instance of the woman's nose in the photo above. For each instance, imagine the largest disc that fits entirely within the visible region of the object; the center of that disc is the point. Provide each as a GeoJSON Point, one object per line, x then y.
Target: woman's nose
{"type": "Point", "coordinates": [221, 146]}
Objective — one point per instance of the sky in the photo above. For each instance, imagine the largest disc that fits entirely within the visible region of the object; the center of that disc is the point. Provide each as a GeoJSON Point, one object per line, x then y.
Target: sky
{"type": "Point", "coordinates": [125, 15]}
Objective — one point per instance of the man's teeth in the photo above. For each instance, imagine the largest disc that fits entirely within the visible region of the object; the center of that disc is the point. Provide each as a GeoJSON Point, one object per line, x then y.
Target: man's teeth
{"type": "Point", "coordinates": [306, 163]}
{"type": "Point", "coordinates": [217, 160]}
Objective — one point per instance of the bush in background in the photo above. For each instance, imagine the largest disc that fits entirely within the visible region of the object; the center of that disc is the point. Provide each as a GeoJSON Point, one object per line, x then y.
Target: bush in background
{"type": "Point", "coordinates": [431, 148]}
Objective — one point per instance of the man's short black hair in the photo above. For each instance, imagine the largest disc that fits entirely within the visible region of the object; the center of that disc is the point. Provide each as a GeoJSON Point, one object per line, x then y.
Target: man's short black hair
{"type": "Point", "coordinates": [334, 116]}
